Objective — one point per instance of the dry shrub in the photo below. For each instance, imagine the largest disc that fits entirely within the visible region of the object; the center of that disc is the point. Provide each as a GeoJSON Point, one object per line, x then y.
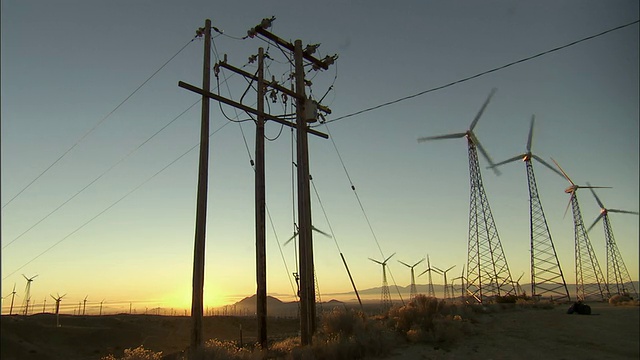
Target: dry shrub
{"type": "Point", "coordinates": [139, 353]}
{"type": "Point", "coordinates": [619, 299]}
{"type": "Point", "coordinates": [227, 350]}
{"type": "Point", "coordinates": [535, 304]}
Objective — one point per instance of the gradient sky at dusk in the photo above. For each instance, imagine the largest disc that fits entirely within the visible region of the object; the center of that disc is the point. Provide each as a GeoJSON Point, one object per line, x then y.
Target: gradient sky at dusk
{"type": "Point", "coordinates": [66, 65]}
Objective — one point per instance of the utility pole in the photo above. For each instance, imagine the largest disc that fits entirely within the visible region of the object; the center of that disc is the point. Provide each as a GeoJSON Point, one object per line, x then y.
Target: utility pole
{"type": "Point", "coordinates": [261, 234]}
{"type": "Point", "coordinates": [305, 111]}
{"type": "Point", "coordinates": [197, 295]}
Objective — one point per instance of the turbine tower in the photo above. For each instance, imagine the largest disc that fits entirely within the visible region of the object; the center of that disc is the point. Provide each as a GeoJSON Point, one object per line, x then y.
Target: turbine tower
{"type": "Point", "coordinates": [430, 290]}
{"type": "Point", "coordinates": [413, 291]}
{"type": "Point", "coordinates": [446, 284]}
{"type": "Point", "coordinates": [487, 269]}
{"type": "Point", "coordinates": [13, 295]}
{"type": "Point", "coordinates": [617, 273]}
{"type": "Point", "coordinates": [590, 283]}
{"type": "Point", "coordinates": [57, 300]}
{"type": "Point", "coordinates": [461, 277]}
{"type": "Point", "coordinates": [385, 297]}
{"type": "Point", "coordinates": [547, 279]}
{"type": "Point", "coordinates": [27, 294]}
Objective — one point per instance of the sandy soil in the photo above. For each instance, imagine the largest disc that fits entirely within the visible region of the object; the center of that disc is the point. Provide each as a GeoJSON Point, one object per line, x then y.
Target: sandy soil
{"type": "Point", "coordinates": [610, 332]}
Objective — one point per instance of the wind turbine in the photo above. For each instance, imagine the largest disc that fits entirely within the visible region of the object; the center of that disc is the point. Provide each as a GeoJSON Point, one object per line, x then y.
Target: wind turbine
{"type": "Point", "coordinates": [385, 298]}
{"type": "Point", "coordinates": [615, 265]}
{"type": "Point", "coordinates": [101, 307]}
{"type": "Point", "coordinates": [13, 295]}
{"type": "Point", "coordinates": [446, 284]}
{"type": "Point", "coordinates": [590, 283]}
{"type": "Point", "coordinates": [519, 290]}
{"type": "Point", "coordinates": [84, 306]}
{"type": "Point", "coordinates": [413, 291]}
{"type": "Point", "coordinates": [58, 299]}
{"type": "Point", "coordinates": [546, 274]}
{"type": "Point", "coordinates": [27, 293]}
{"type": "Point", "coordinates": [430, 291]}
{"type": "Point", "coordinates": [461, 277]}
{"type": "Point", "coordinates": [487, 270]}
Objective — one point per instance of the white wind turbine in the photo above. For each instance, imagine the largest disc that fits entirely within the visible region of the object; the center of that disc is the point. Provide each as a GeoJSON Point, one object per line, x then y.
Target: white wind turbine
{"type": "Point", "coordinates": [413, 291]}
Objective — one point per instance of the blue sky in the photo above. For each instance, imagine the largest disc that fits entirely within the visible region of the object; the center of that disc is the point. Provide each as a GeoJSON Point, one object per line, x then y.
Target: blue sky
{"type": "Point", "coordinates": [66, 66]}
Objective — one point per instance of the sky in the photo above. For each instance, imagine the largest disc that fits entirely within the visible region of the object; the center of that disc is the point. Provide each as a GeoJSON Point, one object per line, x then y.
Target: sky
{"type": "Point", "coordinates": [128, 236]}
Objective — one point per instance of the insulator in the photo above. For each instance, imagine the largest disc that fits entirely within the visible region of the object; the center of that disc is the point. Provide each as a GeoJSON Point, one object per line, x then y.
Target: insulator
{"type": "Point", "coordinates": [353, 188]}
{"type": "Point", "coordinates": [252, 163]}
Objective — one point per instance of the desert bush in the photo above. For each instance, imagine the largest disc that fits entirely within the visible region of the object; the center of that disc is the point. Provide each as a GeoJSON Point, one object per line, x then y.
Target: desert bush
{"type": "Point", "coordinates": [139, 353]}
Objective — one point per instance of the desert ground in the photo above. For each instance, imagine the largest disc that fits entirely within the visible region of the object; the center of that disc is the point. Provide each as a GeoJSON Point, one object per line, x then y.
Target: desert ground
{"type": "Point", "coordinates": [610, 332]}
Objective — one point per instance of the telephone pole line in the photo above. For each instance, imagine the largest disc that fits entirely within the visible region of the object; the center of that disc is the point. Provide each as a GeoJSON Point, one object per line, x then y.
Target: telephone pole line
{"type": "Point", "coordinates": [306, 111]}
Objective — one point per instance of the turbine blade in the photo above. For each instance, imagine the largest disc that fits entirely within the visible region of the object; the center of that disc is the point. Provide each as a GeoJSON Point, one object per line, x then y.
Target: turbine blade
{"type": "Point", "coordinates": [595, 222]}
{"type": "Point", "coordinates": [290, 239]}
{"type": "Point", "coordinates": [517, 157]}
{"type": "Point", "coordinates": [321, 232]}
{"type": "Point", "coordinates": [376, 261]}
{"type": "Point", "coordinates": [424, 272]}
{"type": "Point", "coordinates": [53, 297]}
{"type": "Point", "coordinates": [405, 264]}
{"type": "Point", "coordinates": [567, 209]}
{"type": "Point", "coordinates": [440, 137]}
{"type": "Point", "coordinates": [26, 278]}
{"type": "Point", "coordinates": [414, 265]}
{"type": "Point", "coordinates": [450, 268]}
{"type": "Point", "coordinates": [596, 196]}
{"type": "Point", "coordinates": [623, 211]}
{"type": "Point", "coordinates": [484, 153]}
{"type": "Point", "coordinates": [484, 106]}
{"type": "Point", "coordinates": [389, 258]}
{"type": "Point", "coordinates": [533, 119]}
{"type": "Point", "coordinates": [547, 165]}
{"type": "Point", "coordinates": [437, 269]}
{"type": "Point", "coordinates": [562, 171]}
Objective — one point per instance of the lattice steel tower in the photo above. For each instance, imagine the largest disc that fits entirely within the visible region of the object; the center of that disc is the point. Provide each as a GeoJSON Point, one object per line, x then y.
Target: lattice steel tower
{"type": "Point", "coordinates": [618, 279]}
{"type": "Point", "coordinates": [413, 291]}
{"type": "Point", "coordinates": [488, 274]}
{"type": "Point", "coordinates": [547, 279]}
{"type": "Point", "coordinates": [430, 290]}
{"type": "Point", "coordinates": [590, 283]}
{"type": "Point", "coordinates": [385, 296]}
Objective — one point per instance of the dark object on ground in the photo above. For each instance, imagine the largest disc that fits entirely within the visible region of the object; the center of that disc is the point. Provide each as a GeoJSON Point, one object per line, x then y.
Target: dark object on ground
{"type": "Point", "coordinates": [579, 308]}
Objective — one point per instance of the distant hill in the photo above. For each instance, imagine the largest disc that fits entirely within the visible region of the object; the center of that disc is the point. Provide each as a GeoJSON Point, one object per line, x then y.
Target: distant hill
{"type": "Point", "coordinates": [275, 307]}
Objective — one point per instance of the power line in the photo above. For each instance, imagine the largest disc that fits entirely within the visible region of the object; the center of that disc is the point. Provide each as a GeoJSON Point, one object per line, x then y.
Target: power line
{"type": "Point", "coordinates": [112, 205]}
{"type": "Point", "coordinates": [96, 125]}
{"type": "Point", "coordinates": [102, 174]}
{"type": "Point", "coordinates": [480, 74]}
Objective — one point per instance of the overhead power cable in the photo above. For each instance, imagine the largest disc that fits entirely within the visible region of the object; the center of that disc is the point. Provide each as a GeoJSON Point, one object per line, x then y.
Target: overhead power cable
{"type": "Point", "coordinates": [102, 174]}
{"type": "Point", "coordinates": [480, 74]}
{"type": "Point", "coordinates": [113, 204]}
{"type": "Point", "coordinates": [97, 125]}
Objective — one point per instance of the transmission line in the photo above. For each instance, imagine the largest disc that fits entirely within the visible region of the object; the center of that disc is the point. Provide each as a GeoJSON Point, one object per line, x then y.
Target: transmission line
{"type": "Point", "coordinates": [113, 204]}
{"type": "Point", "coordinates": [481, 74]}
{"type": "Point", "coordinates": [96, 125]}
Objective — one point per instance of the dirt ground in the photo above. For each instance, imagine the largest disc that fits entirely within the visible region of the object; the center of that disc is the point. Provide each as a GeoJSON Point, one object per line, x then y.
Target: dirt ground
{"type": "Point", "coordinates": [610, 332]}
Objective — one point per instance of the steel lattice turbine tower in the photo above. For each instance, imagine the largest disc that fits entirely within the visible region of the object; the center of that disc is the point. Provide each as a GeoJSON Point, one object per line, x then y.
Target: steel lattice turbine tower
{"type": "Point", "coordinates": [447, 295]}
{"type": "Point", "coordinates": [488, 273]}
{"type": "Point", "coordinates": [27, 294]}
{"type": "Point", "coordinates": [430, 290]}
{"type": "Point", "coordinates": [617, 273]}
{"type": "Point", "coordinates": [385, 296]}
{"type": "Point", "coordinates": [590, 283]}
{"type": "Point", "coordinates": [547, 279]}
{"type": "Point", "coordinates": [413, 292]}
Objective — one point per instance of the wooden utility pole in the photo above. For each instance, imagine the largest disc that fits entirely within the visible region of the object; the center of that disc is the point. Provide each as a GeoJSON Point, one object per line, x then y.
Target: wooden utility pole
{"type": "Point", "coordinates": [261, 234]}
{"type": "Point", "coordinates": [197, 296]}
{"type": "Point", "coordinates": [307, 285]}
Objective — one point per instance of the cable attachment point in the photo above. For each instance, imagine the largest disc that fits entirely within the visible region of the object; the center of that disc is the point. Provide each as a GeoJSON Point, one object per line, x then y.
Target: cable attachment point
{"type": "Point", "coordinates": [353, 187]}
{"type": "Point", "coordinates": [273, 95]}
{"type": "Point", "coordinates": [251, 161]}
{"type": "Point", "coordinates": [216, 69]}
{"type": "Point", "coordinates": [253, 58]}
{"type": "Point", "coordinates": [311, 48]}
{"type": "Point", "coordinates": [200, 32]}
{"type": "Point", "coordinates": [327, 61]}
